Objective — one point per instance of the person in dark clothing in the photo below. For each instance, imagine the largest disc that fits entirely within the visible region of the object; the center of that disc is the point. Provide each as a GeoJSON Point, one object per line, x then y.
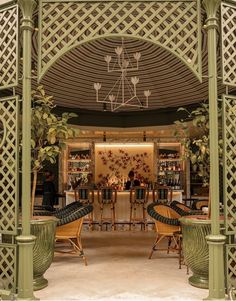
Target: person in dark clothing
{"type": "Point", "coordinates": [132, 181]}
{"type": "Point", "coordinates": [49, 190]}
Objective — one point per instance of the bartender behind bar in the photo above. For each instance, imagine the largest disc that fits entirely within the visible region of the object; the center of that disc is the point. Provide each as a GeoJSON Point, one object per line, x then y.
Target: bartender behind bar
{"type": "Point", "coordinates": [132, 181]}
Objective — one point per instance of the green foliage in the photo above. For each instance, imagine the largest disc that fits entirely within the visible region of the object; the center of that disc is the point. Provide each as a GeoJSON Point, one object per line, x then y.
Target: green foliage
{"type": "Point", "coordinates": [197, 147]}
{"type": "Point", "coordinates": [48, 129]}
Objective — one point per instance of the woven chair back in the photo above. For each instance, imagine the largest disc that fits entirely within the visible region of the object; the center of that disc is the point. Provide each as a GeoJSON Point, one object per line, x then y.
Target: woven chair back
{"type": "Point", "coordinates": [163, 228]}
{"type": "Point", "coordinates": [183, 207]}
{"type": "Point", "coordinates": [201, 203]}
{"type": "Point", "coordinates": [107, 195]}
{"type": "Point", "coordinates": [70, 230]}
{"type": "Point", "coordinates": [139, 195]}
{"type": "Point", "coordinates": [84, 194]}
{"type": "Point", "coordinates": [162, 194]}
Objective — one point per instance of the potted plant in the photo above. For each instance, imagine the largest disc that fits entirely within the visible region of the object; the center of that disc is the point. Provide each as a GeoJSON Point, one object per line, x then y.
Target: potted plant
{"type": "Point", "coordinates": [196, 228]}
{"type": "Point", "coordinates": [48, 130]}
{"type": "Point", "coordinates": [196, 145]}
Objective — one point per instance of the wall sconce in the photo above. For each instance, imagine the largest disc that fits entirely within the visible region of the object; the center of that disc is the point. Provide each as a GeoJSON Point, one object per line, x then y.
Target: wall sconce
{"type": "Point", "coordinates": [104, 137]}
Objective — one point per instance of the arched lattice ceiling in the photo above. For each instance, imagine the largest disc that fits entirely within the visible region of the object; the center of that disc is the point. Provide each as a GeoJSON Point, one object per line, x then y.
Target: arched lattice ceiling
{"type": "Point", "coordinates": [171, 83]}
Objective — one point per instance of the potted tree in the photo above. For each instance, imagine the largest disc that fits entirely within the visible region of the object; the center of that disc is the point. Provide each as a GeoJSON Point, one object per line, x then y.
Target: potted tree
{"type": "Point", "coordinates": [48, 130]}
{"type": "Point", "coordinates": [196, 228]}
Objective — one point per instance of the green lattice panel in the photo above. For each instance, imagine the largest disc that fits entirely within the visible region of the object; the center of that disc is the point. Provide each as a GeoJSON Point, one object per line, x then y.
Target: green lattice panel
{"type": "Point", "coordinates": [231, 265]}
{"type": "Point", "coordinates": [173, 25]}
{"type": "Point", "coordinates": [8, 165]}
{"type": "Point", "coordinates": [229, 128]}
{"type": "Point", "coordinates": [7, 267]}
{"type": "Point", "coordinates": [9, 23]}
{"type": "Point", "coordinates": [228, 32]}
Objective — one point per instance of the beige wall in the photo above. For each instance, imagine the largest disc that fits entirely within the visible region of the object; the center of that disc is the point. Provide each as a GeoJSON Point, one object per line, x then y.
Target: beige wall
{"type": "Point", "coordinates": [114, 161]}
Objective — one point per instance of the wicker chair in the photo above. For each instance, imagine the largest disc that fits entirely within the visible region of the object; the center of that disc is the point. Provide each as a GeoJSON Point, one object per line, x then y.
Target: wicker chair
{"type": "Point", "coordinates": [167, 225]}
{"type": "Point", "coordinates": [162, 194]}
{"type": "Point", "coordinates": [107, 196]}
{"type": "Point", "coordinates": [138, 198]}
{"type": "Point", "coordinates": [85, 195]}
{"type": "Point", "coordinates": [70, 225]}
{"type": "Point", "coordinates": [183, 210]}
{"type": "Point", "coordinates": [199, 204]}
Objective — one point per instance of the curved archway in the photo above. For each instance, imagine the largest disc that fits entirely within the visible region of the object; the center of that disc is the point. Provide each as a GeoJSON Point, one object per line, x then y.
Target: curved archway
{"type": "Point", "coordinates": [175, 26]}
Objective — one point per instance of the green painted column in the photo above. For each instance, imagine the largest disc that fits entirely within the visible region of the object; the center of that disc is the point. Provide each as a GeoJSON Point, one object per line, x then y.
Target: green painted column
{"type": "Point", "coordinates": [215, 240]}
{"type": "Point", "coordinates": [26, 240]}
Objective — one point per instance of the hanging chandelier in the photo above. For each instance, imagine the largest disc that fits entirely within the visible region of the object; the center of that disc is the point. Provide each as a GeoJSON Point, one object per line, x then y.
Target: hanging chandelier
{"type": "Point", "coordinates": [124, 91]}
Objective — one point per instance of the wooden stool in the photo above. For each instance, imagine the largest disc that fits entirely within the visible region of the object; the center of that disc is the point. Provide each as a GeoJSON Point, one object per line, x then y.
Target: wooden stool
{"type": "Point", "coordinates": [107, 196]}
{"type": "Point", "coordinates": [138, 197]}
{"type": "Point", "coordinates": [179, 238]}
{"type": "Point", "coordinates": [85, 195]}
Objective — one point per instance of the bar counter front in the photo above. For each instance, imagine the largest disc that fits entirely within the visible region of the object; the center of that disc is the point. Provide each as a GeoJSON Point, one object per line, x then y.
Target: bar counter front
{"type": "Point", "coordinates": [122, 206]}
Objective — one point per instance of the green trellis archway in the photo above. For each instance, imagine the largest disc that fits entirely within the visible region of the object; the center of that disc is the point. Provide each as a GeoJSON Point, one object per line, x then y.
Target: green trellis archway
{"type": "Point", "coordinates": [9, 138]}
{"type": "Point", "coordinates": [63, 25]}
{"type": "Point", "coordinates": [173, 25]}
{"type": "Point", "coordinates": [228, 40]}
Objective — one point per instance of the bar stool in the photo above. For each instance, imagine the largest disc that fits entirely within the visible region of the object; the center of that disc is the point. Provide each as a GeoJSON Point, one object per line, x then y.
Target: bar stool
{"type": "Point", "coordinates": [85, 195]}
{"type": "Point", "coordinates": [107, 196]}
{"type": "Point", "coordinates": [162, 194]}
{"type": "Point", "coordinates": [138, 198]}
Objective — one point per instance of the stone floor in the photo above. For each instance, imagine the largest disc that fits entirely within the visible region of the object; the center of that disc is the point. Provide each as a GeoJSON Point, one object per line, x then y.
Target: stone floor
{"type": "Point", "coordinates": [118, 269]}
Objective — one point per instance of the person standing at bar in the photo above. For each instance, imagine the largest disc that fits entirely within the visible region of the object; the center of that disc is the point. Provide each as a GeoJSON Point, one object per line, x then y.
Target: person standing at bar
{"type": "Point", "coordinates": [132, 181]}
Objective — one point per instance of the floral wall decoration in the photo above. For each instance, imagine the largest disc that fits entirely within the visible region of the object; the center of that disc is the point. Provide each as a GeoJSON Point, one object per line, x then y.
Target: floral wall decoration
{"type": "Point", "coordinates": [114, 163]}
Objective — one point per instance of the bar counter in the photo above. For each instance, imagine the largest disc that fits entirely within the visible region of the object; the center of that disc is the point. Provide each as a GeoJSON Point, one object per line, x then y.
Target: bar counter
{"type": "Point", "coordinates": [122, 204]}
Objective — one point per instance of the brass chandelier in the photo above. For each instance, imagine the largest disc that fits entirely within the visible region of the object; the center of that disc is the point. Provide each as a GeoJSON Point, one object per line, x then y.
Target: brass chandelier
{"type": "Point", "coordinates": [124, 91]}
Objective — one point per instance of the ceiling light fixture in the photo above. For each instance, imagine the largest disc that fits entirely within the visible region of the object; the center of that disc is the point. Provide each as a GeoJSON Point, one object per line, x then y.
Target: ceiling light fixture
{"type": "Point", "coordinates": [124, 91]}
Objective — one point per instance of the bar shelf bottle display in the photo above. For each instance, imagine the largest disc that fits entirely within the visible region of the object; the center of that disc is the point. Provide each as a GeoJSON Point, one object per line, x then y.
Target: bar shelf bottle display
{"type": "Point", "coordinates": [78, 164]}
{"type": "Point", "coordinates": [170, 165]}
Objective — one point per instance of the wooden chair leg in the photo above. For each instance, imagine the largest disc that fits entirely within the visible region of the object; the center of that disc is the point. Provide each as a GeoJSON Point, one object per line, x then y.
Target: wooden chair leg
{"type": "Point", "coordinates": [131, 213]}
{"type": "Point", "coordinates": [157, 240]}
{"type": "Point", "coordinates": [134, 217]}
{"type": "Point", "coordinates": [81, 251]}
{"type": "Point", "coordinates": [114, 216]}
{"type": "Point", "coordinates": [101, 216]}
{"type": "Point", "coordinates": [144, 218]}
{"type": "Point", "coordinates": [169, 243]}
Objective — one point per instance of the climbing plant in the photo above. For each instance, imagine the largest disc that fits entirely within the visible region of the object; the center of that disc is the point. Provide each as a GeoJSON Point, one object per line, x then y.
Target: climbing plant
{"type": "Point", "coordinates": [47, 131]}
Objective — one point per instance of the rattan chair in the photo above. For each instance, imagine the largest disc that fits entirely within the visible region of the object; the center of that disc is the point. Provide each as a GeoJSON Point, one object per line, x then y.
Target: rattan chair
{"type": "Point", "coordinates": [69, 228]}
{"type": "Point", "coordinates": [138, 198]}
{"type": "Point", "coordinates": [199, 204]}
{"type": "Point", "coordinates": [85, 195]}
{"type": "Point", "coordinates": [167, 226]}
{"type": "Point", "coordinates": [107, 196]}
{"type": "Point", "coordinates": [162, 194]}
{"type": "Point", "coordinates": [183, 210]}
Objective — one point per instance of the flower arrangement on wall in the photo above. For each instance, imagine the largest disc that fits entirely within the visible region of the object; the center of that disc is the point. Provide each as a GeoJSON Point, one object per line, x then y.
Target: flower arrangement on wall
{"type": "Point", "coordinates": [120, 163]}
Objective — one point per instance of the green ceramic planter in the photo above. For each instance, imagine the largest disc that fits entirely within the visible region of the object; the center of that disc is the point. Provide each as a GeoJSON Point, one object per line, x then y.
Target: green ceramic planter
{"type": "Point", "coordinates": [195, 248]}
{"type": "Point", "coordinates": [44, 228]}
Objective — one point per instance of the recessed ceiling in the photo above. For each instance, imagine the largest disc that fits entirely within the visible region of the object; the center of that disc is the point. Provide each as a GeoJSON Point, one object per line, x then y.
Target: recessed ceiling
{"type": "Point", "coordinates": [70, 80]}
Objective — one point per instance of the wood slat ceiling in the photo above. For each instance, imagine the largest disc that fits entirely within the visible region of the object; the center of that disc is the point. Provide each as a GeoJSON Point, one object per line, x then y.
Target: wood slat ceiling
{"type": "Point", "coordinates": [171, 83]}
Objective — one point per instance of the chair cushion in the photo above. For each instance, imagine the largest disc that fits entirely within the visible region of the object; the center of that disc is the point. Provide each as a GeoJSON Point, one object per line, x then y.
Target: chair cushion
{"type": "Point", "coordinates": [152, 210]}
{"type": "Point", "coordinates": [75, 214]}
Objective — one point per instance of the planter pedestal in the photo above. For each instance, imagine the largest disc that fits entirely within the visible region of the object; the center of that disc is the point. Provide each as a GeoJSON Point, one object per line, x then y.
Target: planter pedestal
{"type": "Point", "coordinates": [44, 229]}
{"type": "Point", "coordinates": [196, 249]}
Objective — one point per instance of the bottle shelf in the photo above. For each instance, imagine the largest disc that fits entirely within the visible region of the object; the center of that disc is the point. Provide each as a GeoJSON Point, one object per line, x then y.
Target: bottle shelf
{"type": "Point", "coordinates": [170, 160]}
{"type": "Point", "coordinates": [78, 172]}
{"type": "Point", "coordinates": [78, 160]}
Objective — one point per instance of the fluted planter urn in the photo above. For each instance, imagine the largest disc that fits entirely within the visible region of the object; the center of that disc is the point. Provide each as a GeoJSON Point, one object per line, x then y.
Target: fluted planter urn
{"type": "Point", "coordinates": [44, 229]}
{"type": "Point", "coordinates": [195, 228]}
{"type": "Point", "coordinates": [195, 248]}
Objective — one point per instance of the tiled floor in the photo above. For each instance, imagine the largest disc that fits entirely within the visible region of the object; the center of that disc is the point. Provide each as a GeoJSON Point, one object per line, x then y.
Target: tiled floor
{"type": "Point", "coordinates": [118, 269]}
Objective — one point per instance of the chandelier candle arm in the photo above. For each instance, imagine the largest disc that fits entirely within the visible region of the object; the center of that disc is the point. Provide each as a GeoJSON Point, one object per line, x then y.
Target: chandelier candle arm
{"type": "Point", "coordinates": [123, 93]}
